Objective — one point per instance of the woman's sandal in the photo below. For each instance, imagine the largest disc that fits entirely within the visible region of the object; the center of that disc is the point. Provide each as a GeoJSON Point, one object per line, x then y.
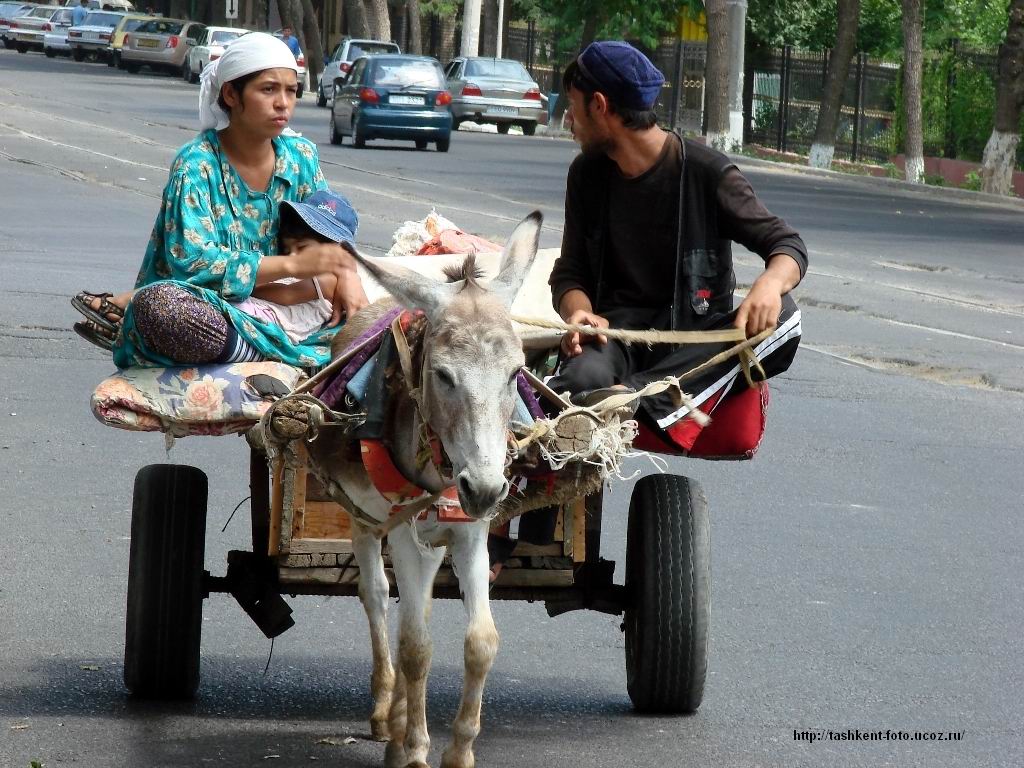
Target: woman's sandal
{"type": "Point", "coordinates": [83, 303]}
{"type": "Point", "coordinates": [95, 333]}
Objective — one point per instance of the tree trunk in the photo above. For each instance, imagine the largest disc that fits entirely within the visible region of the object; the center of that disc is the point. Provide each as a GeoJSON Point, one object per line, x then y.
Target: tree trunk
{"type": "Point", "coordinates": [716, 75]}
{"type": "Point", "coordinates": [824, 145]}
{"type": "Point", "coordinates": [381, 19]}
{"type": "Point", "coordinates": [489, 28]}
{"type": "Point", "coordinates": [913, 146]}
{"type": "Point", "coordinates": [311, 43]}
{"type": "Point", "coordinates": [1001, 151]}
{"type": "Point", "coordinates": [415, 41]}
{"type": "Point", "coordinates": [355, 12]}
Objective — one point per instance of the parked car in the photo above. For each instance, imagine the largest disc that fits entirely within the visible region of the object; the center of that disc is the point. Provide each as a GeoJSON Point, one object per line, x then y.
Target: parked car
{"type": "Point", "coordinates": [392, 97]}
{"type": "Point", "coordinates": [55, 40]}
{"type": "Point", "coordinates": [93, 34]}
{"type": "Point", "coordinates": [340, 62]}
{"type": "Point", "coordinates": [7, 12]}
{"type": "Point", "coordinates": [128, 23]}
{"type": "Point", "coordinates": [498, 91]}
{"type": "Point", "coordinates": [124, 6]}
{"type": "Point", "coordinates": [160, 44]}
{"type": "Point", "coordinates": [30, 28]}
{"type": "Point", "coordinates": [301, 61]}
{"type": "Point", "coordinates": [209, 47]}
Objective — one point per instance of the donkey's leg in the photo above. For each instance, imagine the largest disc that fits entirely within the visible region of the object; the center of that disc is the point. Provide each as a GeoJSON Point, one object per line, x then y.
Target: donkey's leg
{"type": "Point", "coordinates": [373, 592]}
{"type": "Point", "coordinates": [469, 556]}
{"type": "Point", "coordinates": [415, 569]}
{"type": "Point", "coordinates": [394, 752]}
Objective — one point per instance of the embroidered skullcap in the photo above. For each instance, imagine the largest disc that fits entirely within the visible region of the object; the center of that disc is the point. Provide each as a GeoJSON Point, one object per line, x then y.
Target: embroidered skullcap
{"type": "Point", "coordinates": [622, 73]}
{"type": "Point", "coordinates": [249, 53]}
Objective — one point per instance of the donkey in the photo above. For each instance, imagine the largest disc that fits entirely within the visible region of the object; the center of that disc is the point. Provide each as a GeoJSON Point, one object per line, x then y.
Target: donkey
{"type": "Point", "coordinates": [471, 357]}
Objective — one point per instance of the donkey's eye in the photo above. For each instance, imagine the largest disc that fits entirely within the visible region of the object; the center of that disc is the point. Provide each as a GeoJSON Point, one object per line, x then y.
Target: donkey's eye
{"type": "Point", "coordinates": [444, 377]}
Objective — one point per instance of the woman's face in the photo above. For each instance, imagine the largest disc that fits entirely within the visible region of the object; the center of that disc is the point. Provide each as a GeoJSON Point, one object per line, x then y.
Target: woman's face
{"type": "Point", "coordinates": [266, 104]}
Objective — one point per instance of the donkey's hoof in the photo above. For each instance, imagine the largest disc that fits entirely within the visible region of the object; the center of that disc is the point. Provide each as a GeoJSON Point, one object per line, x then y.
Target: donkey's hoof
{"type": "Point", "coordinates": [460, 759]}
{"type": "Point", "coordinates": [379, 730]}
{"type": "Point", "coordinates": [416, 764]}
{"type": "Point", "coordinates": [394, 755]}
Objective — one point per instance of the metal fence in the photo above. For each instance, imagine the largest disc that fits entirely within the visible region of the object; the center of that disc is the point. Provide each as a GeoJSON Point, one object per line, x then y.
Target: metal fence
{"type": "Point", "coordinates": [782, 97]}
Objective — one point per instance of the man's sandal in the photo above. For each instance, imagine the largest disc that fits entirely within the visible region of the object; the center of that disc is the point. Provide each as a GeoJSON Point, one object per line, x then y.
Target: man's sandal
{"type": "Point", "coordinates": [101, 316]}
{"type": "Point", "coordinates": [95, 333]}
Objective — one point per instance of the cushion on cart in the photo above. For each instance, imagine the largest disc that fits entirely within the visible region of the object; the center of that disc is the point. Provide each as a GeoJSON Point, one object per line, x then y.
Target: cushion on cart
{"type": "Point", "coordinates": [198, 400]}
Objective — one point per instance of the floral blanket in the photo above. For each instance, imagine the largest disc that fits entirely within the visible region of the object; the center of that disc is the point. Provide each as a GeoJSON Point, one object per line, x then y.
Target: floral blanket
{"type": "Point", "coordinates": [204, 400]}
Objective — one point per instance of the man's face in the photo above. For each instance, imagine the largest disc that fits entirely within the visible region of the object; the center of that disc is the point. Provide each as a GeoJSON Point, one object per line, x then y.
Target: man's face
{"type": "Point", "coordinates": [589, 129]}
{"type": "Point", "coordinates": [286, 31]}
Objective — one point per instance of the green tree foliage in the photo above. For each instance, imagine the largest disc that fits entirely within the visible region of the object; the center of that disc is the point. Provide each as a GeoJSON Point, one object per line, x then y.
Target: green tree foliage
{"type": "Point", "coordinates": [642, 20]}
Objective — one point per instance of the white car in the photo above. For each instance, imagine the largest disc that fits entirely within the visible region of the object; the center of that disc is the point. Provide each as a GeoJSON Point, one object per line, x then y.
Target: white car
{"type": "Point", "coordinates": [301, 61]}
{"type": "Point", "coordinates": [55, 41]}
{"type": "Point", "coordinates": [28, 30]}
{"type": "Point", "coordinates": [93, 34]}
{"type": "Point", "coordinates": [344, 53]}
{"type": "Point", "coordinates": [209, 47]}
{"type": "Point", "coordinates": [8, 11]}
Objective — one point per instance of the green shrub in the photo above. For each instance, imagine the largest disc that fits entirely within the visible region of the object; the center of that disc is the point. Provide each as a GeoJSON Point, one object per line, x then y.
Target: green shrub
{"type": "Point", "coordinates": [972, 181]}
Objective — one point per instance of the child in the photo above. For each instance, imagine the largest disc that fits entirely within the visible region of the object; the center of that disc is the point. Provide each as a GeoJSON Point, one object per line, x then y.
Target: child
{"type": "Point", "coordinates": [299, 307]}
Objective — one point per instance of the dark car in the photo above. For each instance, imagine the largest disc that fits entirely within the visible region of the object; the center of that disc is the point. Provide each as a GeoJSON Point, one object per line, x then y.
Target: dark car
{"type": "Point", "coordinates": [393, 97]}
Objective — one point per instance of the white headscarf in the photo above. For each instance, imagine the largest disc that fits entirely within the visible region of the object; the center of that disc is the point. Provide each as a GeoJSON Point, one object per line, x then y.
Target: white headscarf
{"type": "Point", "coordinates": [250, 53]}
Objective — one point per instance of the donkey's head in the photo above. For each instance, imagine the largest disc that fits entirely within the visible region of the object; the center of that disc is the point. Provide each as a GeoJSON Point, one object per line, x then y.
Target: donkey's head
{"type": "Point", "coordinates": [471, 358]}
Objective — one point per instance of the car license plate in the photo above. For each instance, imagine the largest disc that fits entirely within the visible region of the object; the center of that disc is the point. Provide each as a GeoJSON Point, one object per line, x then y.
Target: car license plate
{"type": "Point", "coordinates": [27, 38]}
{"type": "Point", "coordinates": [147, 43]}
{"type": "Point", "coordinates": [498, 110]}
{"type": "Point", "coordinates": [409, 100]}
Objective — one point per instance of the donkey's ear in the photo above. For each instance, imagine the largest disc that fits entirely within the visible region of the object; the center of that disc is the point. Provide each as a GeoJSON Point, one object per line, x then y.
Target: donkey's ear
{"type": "Point", "coordinates": [411, 289]}
{"type": "Point", "coordinates": [517, 258]}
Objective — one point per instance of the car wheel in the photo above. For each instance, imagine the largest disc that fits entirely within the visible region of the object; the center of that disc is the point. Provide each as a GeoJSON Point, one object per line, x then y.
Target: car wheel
{"type": "Point", "coordinates": [443, 144]}
{"type": "Point", "coordinates": [298, 93]}
{"type": "Point", "coordinates": [336, 137]}
{"type": "Point", "coordinates": [456, 124]}
{"type": "Point", "coordinates": [358, 135]}
{"type": "Point", "coordinates": [529, 129]}
{"type": "Point", "coordinates": [321, 99]}
{"type": "Point", "coordinates": [50, 53]}
{"type": "Point", "coordinates": [111, 60]}
{"type": "Point", "coordinates": [22, 48]}
{"type": "Point", "coordinates": [186, 74]}
{"type": "Point", "coordinates": [77, 54]}
{"type": "Point", "coordinates": [421, 143]}
{"type": "Point", "coordinates": [503, 127]}
{"type": "Point", "coordinates": [131, 66]}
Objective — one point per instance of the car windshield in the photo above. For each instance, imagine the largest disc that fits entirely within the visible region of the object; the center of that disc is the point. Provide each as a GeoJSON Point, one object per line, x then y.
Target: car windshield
{"type": "Point", "coordinates": [160, 27]}
{"type": "Point", "coordinates": [364, 49]}
{"type": "Point", "coordinates": [41, 13]}
{"type": "Point", "coordinates": [503, 68]}
{"type": "Point", "coordinates": [223, 36]}
{"type": "Point", "coordinates": [393, 73]}
{"type": "Point", "coordinates": [102, 20]}
{"type": "Point", "coordinates": [132, 24]}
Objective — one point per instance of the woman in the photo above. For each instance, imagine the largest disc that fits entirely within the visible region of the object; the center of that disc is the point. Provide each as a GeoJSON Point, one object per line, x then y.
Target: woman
{"type": "Point", "coordinates": [215, 237]}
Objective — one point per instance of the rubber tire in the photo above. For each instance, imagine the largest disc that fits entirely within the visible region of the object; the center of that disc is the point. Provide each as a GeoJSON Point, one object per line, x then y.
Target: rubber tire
{"type": "Point", "coordinates": [22, 48]}
{"type": "Point", "coordinates": [503, 127]}
{"type": "Point", "coordinates": [321, 99]}
{"type": "Point", "coordinates": [78, 54]}
{"type": "Point", "coordinates": [50, 53]}
{"type": "Point", "coordinates": [421, 143]}
{"type": "Point", "coordinates": [112, 60]}
{"type": "Point", "coordinates": [298, 93]}
{"type": "Point", "coordinates": [130, 67]}
{"type": "Point", "coordinates": [336, 137]}
{"type": "Point", "coordinates": [668, 579]}
{"type": "Point", "coordinates": [529, 129]}
{"type": "Point", "coordinates": [358, 136]}
{"type": "Point", "coordinates": [443, 144]}
{"type": "Point", "coordinates": [163, 623]}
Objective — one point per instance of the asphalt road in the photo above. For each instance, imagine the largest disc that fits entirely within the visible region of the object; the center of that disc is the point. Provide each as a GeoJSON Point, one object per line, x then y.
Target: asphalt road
{"type": "Point", "coordinates": [866, 563]}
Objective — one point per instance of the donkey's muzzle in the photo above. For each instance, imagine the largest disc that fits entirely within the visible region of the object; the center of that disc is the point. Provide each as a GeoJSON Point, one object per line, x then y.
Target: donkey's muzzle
{"type": "Point", "coordinates": [480, 496]}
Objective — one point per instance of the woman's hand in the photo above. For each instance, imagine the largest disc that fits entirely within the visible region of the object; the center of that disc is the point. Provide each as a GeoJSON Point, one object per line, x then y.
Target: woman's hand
{"type": "Point", "coordinates": [310, 258]}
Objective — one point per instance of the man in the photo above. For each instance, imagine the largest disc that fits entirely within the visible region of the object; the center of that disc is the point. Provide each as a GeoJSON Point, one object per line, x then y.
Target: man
{"type": "Point", "coordinates": [649, 220]}
{"type": "Point", "coordinates": [79, 13]}
{"type": "Point", "coordinates": [291, 41]}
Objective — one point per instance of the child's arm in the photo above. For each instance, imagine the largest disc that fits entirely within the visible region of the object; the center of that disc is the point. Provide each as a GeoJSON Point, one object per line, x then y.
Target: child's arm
{"type": "Point", "coordinates": [286, 294]}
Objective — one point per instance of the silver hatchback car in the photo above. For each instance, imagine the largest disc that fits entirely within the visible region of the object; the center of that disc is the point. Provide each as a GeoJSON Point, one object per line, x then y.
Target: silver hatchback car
{"type": "Point", "coordinates": [498, 91]}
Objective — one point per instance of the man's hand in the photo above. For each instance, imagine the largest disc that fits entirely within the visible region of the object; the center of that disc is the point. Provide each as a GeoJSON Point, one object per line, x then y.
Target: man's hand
{"type": "Point", "coordinates": [761, 308]}
{"type": "Point", "coordinates": [573, 341]}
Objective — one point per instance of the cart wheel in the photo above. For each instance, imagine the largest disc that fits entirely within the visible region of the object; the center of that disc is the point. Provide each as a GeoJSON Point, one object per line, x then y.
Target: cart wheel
{"type": "Point", "coordinates": [668, 578]}
{"type": "Point", "coordinates": [165, 582]}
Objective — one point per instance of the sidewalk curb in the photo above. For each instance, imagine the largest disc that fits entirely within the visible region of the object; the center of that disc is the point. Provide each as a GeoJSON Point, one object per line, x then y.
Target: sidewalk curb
{"type": "Point", "coordinates": [951, 194]}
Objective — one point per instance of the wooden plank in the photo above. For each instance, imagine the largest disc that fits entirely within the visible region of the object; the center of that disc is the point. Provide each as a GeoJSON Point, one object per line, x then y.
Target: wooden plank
{"type": "Point", "coordinates": [298, 491]}
{"type": "Point", "coordinates": [324, 520]}
{"type": "Point", "coordinates": [565, 515]}
{"type": "Point", "coordinates": [559, 534]}
{"type": "Point", "coordinates": [526, 549]}
{"type": "Point", "coordinates": [276, 507]}
{"type": "Point", "coordinates": [445, 578]}
{"type": "Point", "coordinates": [320, 546]}
{"type": "Point", "coordinates": [579, 530]}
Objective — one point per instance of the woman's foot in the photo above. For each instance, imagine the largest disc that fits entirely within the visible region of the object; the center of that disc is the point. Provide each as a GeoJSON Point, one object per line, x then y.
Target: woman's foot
{"type": "Point", "coordinates": [102, 309]}
{"type": "Point", "coordinates": [95, 333]}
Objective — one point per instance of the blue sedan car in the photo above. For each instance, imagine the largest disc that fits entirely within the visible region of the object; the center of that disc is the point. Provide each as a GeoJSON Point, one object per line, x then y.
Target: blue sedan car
{"type": "Point", "coordinates": [393, 96]}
